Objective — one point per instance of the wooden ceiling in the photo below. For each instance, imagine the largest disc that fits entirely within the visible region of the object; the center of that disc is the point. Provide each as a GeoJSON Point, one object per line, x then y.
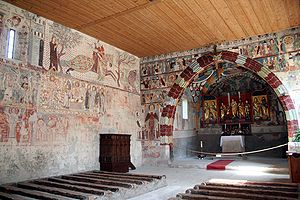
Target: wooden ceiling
{"type": "Point", "coordinates": [152, 27]}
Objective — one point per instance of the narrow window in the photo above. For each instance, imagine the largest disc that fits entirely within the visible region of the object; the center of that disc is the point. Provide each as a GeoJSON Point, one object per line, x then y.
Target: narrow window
{"type": "Point", "coordinates": [184, 109]}
{"type": "Point", "coordinates": [41, 53]}
{"type": "Point", "coordinates": [11, 43]}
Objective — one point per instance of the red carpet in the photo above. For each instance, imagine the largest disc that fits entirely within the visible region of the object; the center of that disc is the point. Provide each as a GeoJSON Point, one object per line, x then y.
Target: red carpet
{"type": "Point", "coordinates": [218, 165]}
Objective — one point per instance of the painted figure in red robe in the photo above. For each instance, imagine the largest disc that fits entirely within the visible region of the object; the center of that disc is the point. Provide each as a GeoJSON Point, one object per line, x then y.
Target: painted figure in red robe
{"type": "Point", "coordinates": [152, 118]}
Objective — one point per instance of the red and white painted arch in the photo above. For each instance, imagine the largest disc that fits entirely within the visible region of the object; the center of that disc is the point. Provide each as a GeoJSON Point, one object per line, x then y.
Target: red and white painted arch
{"type": "Point", "coordinates": [202, 64]}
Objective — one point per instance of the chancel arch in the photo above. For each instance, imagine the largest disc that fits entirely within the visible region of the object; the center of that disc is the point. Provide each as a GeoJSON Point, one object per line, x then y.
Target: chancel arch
{"type": "Point", "coordinates": [203, 68]}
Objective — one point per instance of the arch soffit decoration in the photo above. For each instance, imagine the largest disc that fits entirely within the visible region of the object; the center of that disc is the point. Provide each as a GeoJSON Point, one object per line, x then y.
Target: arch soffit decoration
{"type": "Point", "coordinates": [201, 65]}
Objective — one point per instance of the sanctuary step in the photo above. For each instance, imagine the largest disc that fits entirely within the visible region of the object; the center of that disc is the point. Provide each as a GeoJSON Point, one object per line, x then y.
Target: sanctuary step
{"type": "Point", "coordinates": [237, 190]}
{"type": "Point", "coordinates": [87, 185]}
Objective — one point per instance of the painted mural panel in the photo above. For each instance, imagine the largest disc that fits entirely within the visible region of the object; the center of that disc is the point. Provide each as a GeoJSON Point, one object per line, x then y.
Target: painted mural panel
{"type": "Point", "coordinates": [18, 87]}
{"type": "Point", "coordinates": [210, 111]}
{"type": "Point", "coordinates": [18, 125]}
{"type": "Point", "coordinates": [51, 46]}
{"type": "Point", "coordinates": [151, 129]}
{"type": "Point", "coordinates": [261, 107]}
{"type": "Point", "coordinates": [59, 92]}
{"type": "Point", "coordinates": [80, 56]}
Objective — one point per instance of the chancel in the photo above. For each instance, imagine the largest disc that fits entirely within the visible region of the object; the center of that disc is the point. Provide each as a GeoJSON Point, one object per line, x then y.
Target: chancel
{"type": "Point", "coordinates": [149, 99]}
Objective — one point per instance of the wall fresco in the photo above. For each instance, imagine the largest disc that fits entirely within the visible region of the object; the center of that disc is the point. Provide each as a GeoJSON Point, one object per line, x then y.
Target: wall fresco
{"type": "Point", "coordinates": [278, 51]}
{"type": "Point", "coordinates": [18, 87]}
{"type": "Point", "coordinates": [59, 92]}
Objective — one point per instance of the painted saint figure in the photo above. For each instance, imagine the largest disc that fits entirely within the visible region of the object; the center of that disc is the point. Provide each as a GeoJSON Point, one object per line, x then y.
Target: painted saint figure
{"type": "Point", "coordinates": [4, 126]}
{"type": "Point", "coordinates": [26, 98]}
{"type": "Point", "coordinates": [256, 108]}
{"type": "Point", "coordinates": [206, 112]}
{"type": "Point", "coordinates": [234, 108]}
{"type": "Point", "coordinates": [98, 54]}
{"type": "Point", "coordinates": [241, 109]}
{"type": "Point", "coordinates": [264, 108]}
{"type": "Point", "coordinates": [247, 109]}
{"type": "Point", "coordinates": [53, 54]}
{"type": "Point", "coordinates": [213, 111]}
{"type": "Point", "coordinates": [152, 118]}
{"type": "Point", "coordinates": [222, 111]}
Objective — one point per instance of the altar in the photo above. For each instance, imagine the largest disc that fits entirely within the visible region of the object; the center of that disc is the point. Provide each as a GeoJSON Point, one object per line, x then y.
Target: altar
{"type": "Point", "coordinates": [231, 144]}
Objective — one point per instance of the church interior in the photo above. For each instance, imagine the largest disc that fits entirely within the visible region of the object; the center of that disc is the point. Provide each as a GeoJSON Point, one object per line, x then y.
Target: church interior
{"type": "Point", "coordinates": [150, 99]}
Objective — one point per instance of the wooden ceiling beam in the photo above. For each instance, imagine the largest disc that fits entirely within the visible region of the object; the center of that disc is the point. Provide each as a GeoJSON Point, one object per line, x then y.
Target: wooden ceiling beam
{"type": "Point", "coordinates": [130, 10]}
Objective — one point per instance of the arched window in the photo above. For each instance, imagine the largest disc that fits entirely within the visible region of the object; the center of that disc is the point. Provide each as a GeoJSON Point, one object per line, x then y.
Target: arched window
{"type": "Point", "coordinates": [11, 43]}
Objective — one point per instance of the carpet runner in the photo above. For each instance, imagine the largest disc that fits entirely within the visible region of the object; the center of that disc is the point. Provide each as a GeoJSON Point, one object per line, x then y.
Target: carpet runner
{"type": "Point", "coordinates": [218, 165]}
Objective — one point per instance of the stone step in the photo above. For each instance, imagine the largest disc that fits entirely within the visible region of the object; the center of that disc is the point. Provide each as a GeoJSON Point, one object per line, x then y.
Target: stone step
{"type": "Point", "coordinates": [86, 184]}
{"type": "Point", "coordinates": [58, 191]}
{"type": "Point", "coordinates": [94, 180]}
{"type": "Point", "coordinates": [120, 176]}
{"type": "Point", "coordinates": [248, 190]}
{"type": "Point", "coordinates": [31, 193]}
{"type": "Point", "coordinates": [110, 178]}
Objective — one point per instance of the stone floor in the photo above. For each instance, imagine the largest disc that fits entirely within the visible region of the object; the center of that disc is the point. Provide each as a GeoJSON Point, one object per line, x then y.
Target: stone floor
{"type": "Point", "coordinates": [185, 173]}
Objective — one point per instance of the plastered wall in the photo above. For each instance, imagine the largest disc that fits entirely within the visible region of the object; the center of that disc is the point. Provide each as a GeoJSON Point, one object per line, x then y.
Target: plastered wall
{"type": "Point", "coordinates": [59, 92]}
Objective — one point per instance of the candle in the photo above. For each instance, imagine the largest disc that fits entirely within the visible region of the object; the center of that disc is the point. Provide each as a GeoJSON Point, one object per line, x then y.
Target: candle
{"type": "Point", "coordinates": [201, 144]}
{"type": "Point", "coordinates": [239, 95]}
{"type": "Point", "coordinates": [228, 98]}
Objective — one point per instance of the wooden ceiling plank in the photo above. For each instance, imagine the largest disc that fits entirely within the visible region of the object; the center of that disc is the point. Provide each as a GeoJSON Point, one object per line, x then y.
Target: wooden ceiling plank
{"type": "Point", "coordinates": [216, 19]}
{"type": "Point", "coordinates": [258, 8]}
{"type": "Point", "coordinates": [293, 7]}
{"type": "Point", "coordinates": [153, 2]}
{"type": "Point", "coordinates": [135, 30]}
{"type": "Point", "coordinates": [148, 28]}
{"type": "Point", "coordinates": [163, 31]}
{"type": "Point", "coordinates": [202, 14]}
{"type": "Point", "coordinates": [228, 18]}
{"type": "Point", "coordinates": [201, 23]}
{"type": "Point", "coordinates": [58, 13]}
{"type": "Point", "coordinates": [126, 43]}
{"type": "Point", "coordinates": [121, 33]}
{"type": "Point", "coordinates": [130, 4]}
{"type": "Point", "coordinates": [174, 33]}
{"type": "Point", "coordinates": [183, 22]}
{"type": "Point", "coordinates": [169, 15]}
{"type": "Point", "coordinates": [198, 22]}
{"type": "Point", "coordinates": [192, 21]}
{"type": "Point", "coordinates": [86, 9]}
{"type": "Point", "coordinates": [165, 23]}
{"type": "Point", "coordinates": [101, 8]}
{"type": "Point", "coordinates": [271, 15]}
{"type": "Point", "coordinates": [240, 16]}
{"type": "Point", "coordinates": [278, 8]}
{"type": "Point", "coordinates": [247, 7]}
